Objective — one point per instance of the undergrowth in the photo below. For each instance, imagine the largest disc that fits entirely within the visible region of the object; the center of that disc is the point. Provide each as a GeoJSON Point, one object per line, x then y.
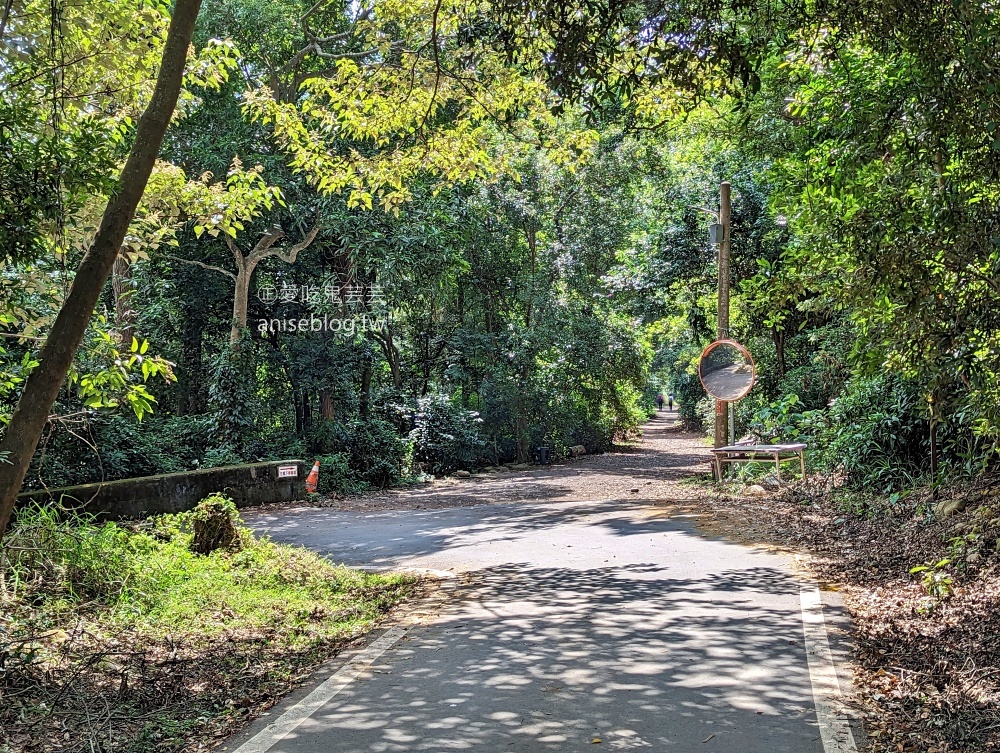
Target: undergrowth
{"type": "Point", "coordinates": [117, 638]}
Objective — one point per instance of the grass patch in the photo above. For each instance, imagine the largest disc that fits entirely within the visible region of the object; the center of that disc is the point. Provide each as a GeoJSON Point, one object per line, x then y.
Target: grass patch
{"type": "Point", "coordinates": [114, 638]}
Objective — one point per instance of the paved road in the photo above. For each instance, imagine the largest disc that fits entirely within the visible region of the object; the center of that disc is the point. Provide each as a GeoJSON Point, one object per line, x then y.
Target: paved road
{"type": "Point", "coordinates": [608, 620]}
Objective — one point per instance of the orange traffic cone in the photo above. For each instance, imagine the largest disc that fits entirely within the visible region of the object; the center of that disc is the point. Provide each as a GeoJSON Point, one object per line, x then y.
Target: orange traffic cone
{"type": "Point", "coordinates": [312, 480]}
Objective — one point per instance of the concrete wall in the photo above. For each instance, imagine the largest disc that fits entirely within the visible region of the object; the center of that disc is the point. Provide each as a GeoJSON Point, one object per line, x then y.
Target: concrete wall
{"type": "Point", "coordinates": [247, 485]}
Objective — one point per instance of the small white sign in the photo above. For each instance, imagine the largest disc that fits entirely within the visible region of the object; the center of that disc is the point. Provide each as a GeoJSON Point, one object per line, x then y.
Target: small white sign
{"type": "Point", "coordinates": [288, 471]}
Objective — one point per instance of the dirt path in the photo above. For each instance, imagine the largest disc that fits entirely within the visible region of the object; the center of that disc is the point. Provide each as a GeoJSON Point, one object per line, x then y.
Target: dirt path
{"type": "Point", "coordinates": [649, 472]}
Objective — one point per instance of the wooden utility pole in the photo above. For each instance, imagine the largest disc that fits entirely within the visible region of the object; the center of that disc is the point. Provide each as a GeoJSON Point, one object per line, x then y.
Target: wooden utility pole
{"type": "Point", "coordinates": [722, 330]}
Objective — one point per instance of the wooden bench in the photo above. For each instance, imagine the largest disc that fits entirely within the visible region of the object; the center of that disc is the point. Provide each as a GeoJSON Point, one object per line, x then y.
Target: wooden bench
{"type": "Point", "coordinates": [758, 453]}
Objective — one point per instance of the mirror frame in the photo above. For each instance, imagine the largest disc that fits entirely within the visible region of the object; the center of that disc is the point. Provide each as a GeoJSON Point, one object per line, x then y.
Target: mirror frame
{"type": "Point", "coordinates": [745, 353]}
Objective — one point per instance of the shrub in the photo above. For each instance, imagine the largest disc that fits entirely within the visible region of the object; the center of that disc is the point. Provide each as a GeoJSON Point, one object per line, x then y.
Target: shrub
{"type": "Point", "coordinates": [688, 392]}
{"type": "Point", "coordinates": [445, 436]}
{"type": "Point", "coordinates": [216, 525]}
{"type": "Point", "coordinates": [822, 370]}
{"type": "Point", "coordinates": [876, 434]}
{"type": "Point", "coordinates": [177, 442]}
{"type": "Point", "coordinates": [595, 433]}
{"type": "Point", "coordinates": [335, 474]}
{"type": "Point", "coordinates": [218, 457]}
{"type": "Point", "coordinates": [704, 411]}
{"type": "Point", "coordinates": [232, 393]}
{"type": "Point", "coordinates": [112, 446]}
{"type": "Point", "coordinates": [80, 560]}
{"type": "Point", "coordinates": [57, 569]}
{"type": "Point", "coordinates": [785, 421]}
{"type": "Point", "coordinates": [376, 454]}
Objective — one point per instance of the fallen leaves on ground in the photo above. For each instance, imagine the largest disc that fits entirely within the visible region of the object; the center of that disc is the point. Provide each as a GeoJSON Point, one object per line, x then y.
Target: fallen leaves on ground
{"type": "Point", "coordinates": [928, 668]}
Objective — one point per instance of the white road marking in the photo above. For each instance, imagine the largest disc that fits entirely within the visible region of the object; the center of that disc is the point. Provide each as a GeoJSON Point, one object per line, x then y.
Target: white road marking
{"type": "Point", "coordinates": [297, 713]}
{"type": "Point", "coordinates": [285, 724]}
{"type": "Point", "coordinates": [834, 724]}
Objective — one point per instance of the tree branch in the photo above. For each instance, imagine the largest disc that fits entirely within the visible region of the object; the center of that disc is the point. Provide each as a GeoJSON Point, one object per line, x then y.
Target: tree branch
{"type": "Point", "coordinates": [265, 251]}
{"type": "Point", "coordinates": [344, 55]}
{"type": "Point", "coordinates": [314, 47]}
{"type": "Point", "coordinates": [315, 43]}
{"type": "Point", "coordinates": [226, 272]}
{"type": "Point", "coordinates": [237, 254]}
{"type": "Point", "coordinates": [6, 15]}
{"type": "Point", "coordinates": [260, 250]}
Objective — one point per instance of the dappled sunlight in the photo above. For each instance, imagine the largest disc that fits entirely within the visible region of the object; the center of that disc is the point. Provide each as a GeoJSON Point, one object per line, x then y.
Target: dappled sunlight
{"type": "Point", "coordinates": [383, 539]}
{"type": "Point", "coordinates": [541, 658]}
{"type": "Point", "coordinates": [576, 621]}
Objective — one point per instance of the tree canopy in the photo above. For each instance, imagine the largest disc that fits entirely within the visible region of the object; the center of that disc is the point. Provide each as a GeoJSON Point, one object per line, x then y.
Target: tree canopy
{"type": "Point", "coordinates": [501, 205]}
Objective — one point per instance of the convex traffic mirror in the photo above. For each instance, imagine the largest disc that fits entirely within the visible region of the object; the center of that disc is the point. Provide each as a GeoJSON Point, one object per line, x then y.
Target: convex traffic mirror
{"type": "Point", "coordinates": [726, 370]}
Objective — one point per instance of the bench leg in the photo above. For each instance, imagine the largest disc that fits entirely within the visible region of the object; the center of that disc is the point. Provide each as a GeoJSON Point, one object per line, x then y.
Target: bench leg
{"type": "Point", "coordinates": [802, 460]}
{"type": "Point", "coordinates": [777, 468]}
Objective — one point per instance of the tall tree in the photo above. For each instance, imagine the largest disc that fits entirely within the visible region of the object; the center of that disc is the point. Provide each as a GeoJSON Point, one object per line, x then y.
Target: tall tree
{"type": "Point", "coordinates": [43, 385]}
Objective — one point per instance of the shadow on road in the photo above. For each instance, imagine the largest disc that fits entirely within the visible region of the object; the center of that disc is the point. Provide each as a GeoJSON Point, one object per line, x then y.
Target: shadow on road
{"type": "Point", "coordinates": [581, 619]}
{"type": "Point", "coordinates": [537, 659]}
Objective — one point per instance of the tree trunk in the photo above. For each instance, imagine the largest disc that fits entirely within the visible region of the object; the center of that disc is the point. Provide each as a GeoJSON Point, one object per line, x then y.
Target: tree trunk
{"type": "Point", "coordinates": [306, 411]}
{"type": "Point", "coordinates": [299, 430]}
{"type": "Point", "coordinates": [521, 409]}
{"type": "Point", "coordinates": [247, 263]}
{"type": "Point", "coordinates": [533, 248]}
{"type": "Point", "coordinates": [325, 405]}
{"type": "Point", "coordinates": [241, 299]}
{"type": "Point", "coordinates": [366, 390]}
{"type": "Point", "coordinates": [521, 434]}
{"type": "Point", "coordinates": [191, 371]}
{"type": "Point", "coordinates": [43, 385]}
{"type": "Point", "coordinates": [778, 336]}
{"type": "Point", "coordinates": [391, 353]}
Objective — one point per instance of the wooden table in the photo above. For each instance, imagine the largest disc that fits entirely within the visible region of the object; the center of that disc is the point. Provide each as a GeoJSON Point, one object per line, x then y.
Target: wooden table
{"type": "Point", "coordinates": [759, 453]}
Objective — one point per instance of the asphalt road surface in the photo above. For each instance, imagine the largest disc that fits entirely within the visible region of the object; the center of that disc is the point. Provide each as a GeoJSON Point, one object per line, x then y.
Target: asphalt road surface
{"type": "Point", "coordinates": [573, 626]}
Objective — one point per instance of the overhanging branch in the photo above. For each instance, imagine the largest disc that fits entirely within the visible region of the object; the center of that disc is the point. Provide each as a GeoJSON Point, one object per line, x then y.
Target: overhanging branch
{"type": "Point", "coordinates": [226, 272]}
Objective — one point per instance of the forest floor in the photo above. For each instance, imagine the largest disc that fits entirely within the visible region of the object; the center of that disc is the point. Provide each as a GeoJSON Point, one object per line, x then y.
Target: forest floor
{"type": "Point", "coordinates": [926, 643]}
{"type": "Point", "coordinates": [118, 639]}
